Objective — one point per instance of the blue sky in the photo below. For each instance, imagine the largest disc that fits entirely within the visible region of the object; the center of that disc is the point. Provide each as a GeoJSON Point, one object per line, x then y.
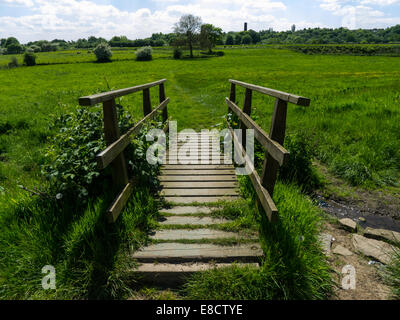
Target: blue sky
{"type": "Point", "coordinates": [30, 20]}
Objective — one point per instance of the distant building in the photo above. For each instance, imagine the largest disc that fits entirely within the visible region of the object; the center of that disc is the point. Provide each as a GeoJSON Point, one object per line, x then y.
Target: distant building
{"type": "Point", "coordinates": [245, 26]}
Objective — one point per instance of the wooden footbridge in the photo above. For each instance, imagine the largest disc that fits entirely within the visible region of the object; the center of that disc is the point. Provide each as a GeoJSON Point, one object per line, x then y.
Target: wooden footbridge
{"type": "Point", "coordinates": [185, 243]}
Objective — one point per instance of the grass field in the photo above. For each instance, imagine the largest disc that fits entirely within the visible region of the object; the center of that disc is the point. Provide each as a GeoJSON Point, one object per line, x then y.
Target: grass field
{"type": "Point", "coordinates": [353, 123]}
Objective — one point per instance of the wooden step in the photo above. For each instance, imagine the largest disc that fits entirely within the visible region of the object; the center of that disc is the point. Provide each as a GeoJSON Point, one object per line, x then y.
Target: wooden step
{"type": "Point", "coordinates": [196, 167]}
{"type": "Point", "coordinates": [196, 234]}
{"type": "Point", "coordinates": [200, 185]}
{"type": "Point", "coordinates": [177, 210]}
{"type": "Point", "coordinates": [199, 200]}
{"type": "Point", "coordinates": [180, 252]}
{"type": "Point", "coordinates": [183, 220]}
{"type": "Point", "coordinates": [174, 178]}
{"type": "Point", "coordinates": [172, 274]}
{"type": "Point", "coordinates": [197, 172]}
{"type": "Point", "coordinates": [199, 192]}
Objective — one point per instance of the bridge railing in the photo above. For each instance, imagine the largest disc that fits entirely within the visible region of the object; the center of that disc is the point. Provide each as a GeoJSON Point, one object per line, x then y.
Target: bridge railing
{"type": "Point", "coordinates": [114, 153]}
{"type": "Point", "coordinates": [275, 154]}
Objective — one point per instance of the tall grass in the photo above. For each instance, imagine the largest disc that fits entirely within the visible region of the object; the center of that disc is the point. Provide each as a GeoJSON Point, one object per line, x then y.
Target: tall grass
{"type": "Point", "coordinates": [294, 266]}
{"type": "Point", "coordinates": [89, 254]}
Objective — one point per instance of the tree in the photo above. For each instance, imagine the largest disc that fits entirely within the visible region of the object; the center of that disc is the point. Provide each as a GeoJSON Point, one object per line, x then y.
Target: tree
{"type": "Point", "coordinates": [238, 39]}
{"type": "Point", "coordinates": [188, 28]}
{"type": "Point", "coordinates": [255, 36]}
{"type": "Point", "coordinates": [103, 52]}
{"type": "Point", "coordinates": [293, 28]}
{"type": "Point", "coordinates": [209, 35]}
{"type": "Point", "coordinates": [246, 39]}
{"type": "Point", "coordinates": [229, 40]}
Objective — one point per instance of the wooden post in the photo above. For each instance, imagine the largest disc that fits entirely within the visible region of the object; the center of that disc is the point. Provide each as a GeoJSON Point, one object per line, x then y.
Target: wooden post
{"type": "Point", "coordinates": [246, 110]}
{"type": "Point", "coordinates": [111, 133]}
{"type": "Point", "coordinates": [277, 133]}
{"type": "Point", "coordinates": [146, 102]}
{"type": "Point", "coordinates": [162, 98]}
{"type": "Point", "coordinates": [232, 95]}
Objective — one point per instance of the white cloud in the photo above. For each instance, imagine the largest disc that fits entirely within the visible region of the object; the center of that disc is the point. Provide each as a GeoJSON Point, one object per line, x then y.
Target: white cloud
{"type": "Point", "coordinates": [26, 3]}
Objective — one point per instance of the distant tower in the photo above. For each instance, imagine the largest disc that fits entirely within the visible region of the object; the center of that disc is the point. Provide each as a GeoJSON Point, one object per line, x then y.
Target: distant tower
{"type": "Point", "coordinates": [245, 26]}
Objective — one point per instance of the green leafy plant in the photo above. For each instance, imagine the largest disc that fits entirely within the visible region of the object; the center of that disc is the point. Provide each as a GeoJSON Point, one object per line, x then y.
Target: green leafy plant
{"type": "Point", "coordinates": [144, 54]}
{"type": "Point", "coordinates": [103, 52]}
{"type": "Point", "coordinates": [177, 53]}
{"type": "Point", "coordinates": [29, 59]}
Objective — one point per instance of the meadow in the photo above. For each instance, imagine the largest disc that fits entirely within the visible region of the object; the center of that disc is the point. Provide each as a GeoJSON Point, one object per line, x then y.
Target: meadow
{"type": "Point", "coordinates": [352, 125]}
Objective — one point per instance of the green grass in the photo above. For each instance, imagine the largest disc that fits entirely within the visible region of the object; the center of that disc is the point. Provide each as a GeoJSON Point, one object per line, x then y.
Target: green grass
{"type": "Point", "coordinates": [294, 266]}
{"type": "Point", "coordinates": [353, 124]}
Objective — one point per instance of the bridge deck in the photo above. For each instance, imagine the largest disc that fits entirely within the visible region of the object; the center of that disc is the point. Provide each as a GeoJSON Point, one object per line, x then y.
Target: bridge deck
{"type": "Point", "coordinates": [178, 251]}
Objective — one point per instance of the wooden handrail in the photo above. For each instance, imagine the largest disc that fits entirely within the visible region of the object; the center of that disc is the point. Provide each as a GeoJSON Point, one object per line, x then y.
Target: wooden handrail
{"type": "Point", "coordinates": [275, 155]}
{"type": "Point", "coordinates": [104, 96]}
{"type": "Point", "coordinates": [116, 144]}
{"type": "Point", "coordinates": [301, 101]}
{"type": "Point", "coordinates": [262, 193]}
{"type": "Point", "coordinates": [105, 157]}
{"type": "Point", "coordinates": [278, 152]}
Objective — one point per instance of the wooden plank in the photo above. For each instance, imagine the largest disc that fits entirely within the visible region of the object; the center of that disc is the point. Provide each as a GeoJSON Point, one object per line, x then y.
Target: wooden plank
{"type": "Point", "coordinates": [198, 221]}
{"type": "Point", "coordinates": [105, 157]}
{"type": "Point", "coordinates": [277, 151]}
{"type": "Point", "coordinates": [298, 100]}
{"type": "Point", "coordinates": [262, 193]}
{"type": "Point", "coordinates": [119, 203]}
{"type": "Point", "coordinates": [161, 94]}
{"type": "Point", "coordinates": [247, 111]}
{"type": "Point", "coordinates": [146, 102]}
{"type": "Point", "coordinates": [104, 96]}
{"type": "Point", "coordinates": [197, 172]}
{"type": "Point", "coordinates": [179, 210]}
{"type": "Point", "coordinates": [201, 200]}
{"type": "Point", "coordinates": [232, 95]}
{"type": "Point", "coordinates": [199, 185]}
{"type": "Point", "coordinates": [111, 134]}
{"type": "Point", "coordinates": [196, 167]}
{"type": "Point", "coordinates": [277, 133]}
{"type": "Point", "coordinates": [174, 178]}
{"type": "Point", "coordinates": [196, 234]}
{"type": "Point", "coordinates": [180, 252]}
{"type": "Point", "coordinates": [199, 192]}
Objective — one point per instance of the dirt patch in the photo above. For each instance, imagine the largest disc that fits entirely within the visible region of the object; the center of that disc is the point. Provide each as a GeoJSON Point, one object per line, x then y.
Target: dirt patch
{"type": "Point", "coordinates": [369, 280]}
{"type": "Point", "coordinates": [369, 208]}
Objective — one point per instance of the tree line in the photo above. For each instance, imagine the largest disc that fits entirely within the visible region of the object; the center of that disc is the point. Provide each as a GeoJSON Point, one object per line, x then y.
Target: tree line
{"type": "Point", "coordinates": [191, 33]}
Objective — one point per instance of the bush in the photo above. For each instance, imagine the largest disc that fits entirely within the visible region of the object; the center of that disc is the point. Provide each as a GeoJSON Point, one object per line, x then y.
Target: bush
{"type": "Point", "coordinates": [178, 53]}
{"type": "Point", "coordinates": [35, 48]}
{"type": "Point", "coordinates": [70, 160]}
{"type": "Point", "coordinates": [13, 63]}
{"type": "Point", "coordinates": [14, 48]}
{"type": "Point", "coordinates": [29, 59]}
{"type": "Point", "coordinates": [246, 39]}
{"type": "Point", "coordinates": [103, 52]}
{"type": "Point", "coordinates": [144, 54]}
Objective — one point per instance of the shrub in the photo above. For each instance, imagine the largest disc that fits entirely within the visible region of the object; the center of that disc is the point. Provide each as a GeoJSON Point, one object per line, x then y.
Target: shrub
{"type": "Point", "coordinates": [35, 48]}
{"type": "Point", "coordinates": [177, 53]}
{"type": "Point", "coordinates": [70, 160]}
{"type": "Point", "coordinates": [29, 59]}
{"type": "Point", "coordinates": [246, 39]}
{"type": "Point", "coordinates": [13, 63]}
{"type": "Point", "coordinates": [103, 52]}
{"type": "Point", "coordinates": [144, 54]}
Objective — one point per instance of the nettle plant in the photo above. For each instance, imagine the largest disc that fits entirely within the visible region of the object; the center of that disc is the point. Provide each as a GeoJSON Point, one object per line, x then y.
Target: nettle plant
{"type": "Point", "coordinates": [71, 166]}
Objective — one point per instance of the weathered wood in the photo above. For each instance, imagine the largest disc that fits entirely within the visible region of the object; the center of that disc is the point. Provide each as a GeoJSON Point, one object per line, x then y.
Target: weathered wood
{"type": "Point", "coordinates": [182, 220]}
{"type": "Point", "coordinates": [111, 134]}
{"type": "Point", "coordinates": [161, 90]}
{"type": "Point", "coordinates": [199, 185]}
{"type": "Point", "coordinates": [278, 152]}
{"type": "Point", "coordinates": [179, 252]}
{"type": "Point", "coordinates": [119, 203]}
{"type": "Point", "coordinates": [301, 101]}
{"type": "Point", "coordinates": [232, 95]}
{"type": "Point", "coordinates": [104, 96]}
{"type": "Point", "coordinates": [199, 192]}
{"type": "Point", "coordinates": [197, 178]}
{"type": "Point", "coordinates": [277, 133]}
{"type": "Point", "coordinates": [146, 102]}
{"type": "Point", "coordinates": [246, 110]}
{"type": "Point", "coordinates": [262, 193]}
{"type": "Point", "coordinates": [197, 234]}
{"type": "Point", "coordinates": [186, 210]}
{"type": "Point", "coordinates": [196, 166]}
{"type": "Point", "coordinates": [200, 200]}
{"type": "Point", "coordinates": [105, 157]}
{"type": "Point", "coordinates": [197, 172]}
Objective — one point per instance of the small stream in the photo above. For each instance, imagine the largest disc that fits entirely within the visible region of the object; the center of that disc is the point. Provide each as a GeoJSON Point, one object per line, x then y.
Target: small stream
{"type": "Point", "coordinates": [368, 219]}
